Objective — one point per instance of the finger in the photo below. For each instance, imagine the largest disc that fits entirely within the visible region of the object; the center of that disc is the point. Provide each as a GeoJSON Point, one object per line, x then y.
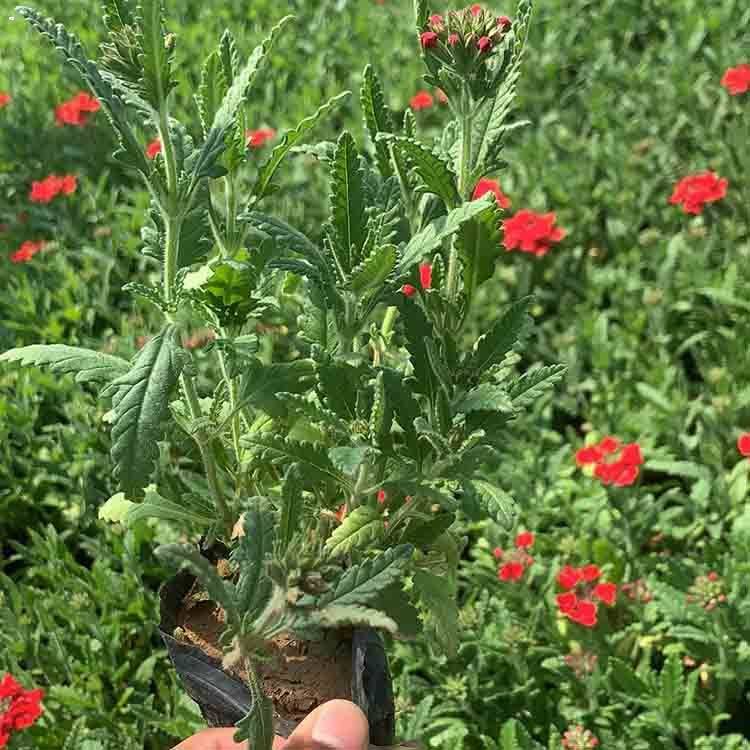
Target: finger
{"type": "Point", "coordinates": [336, 725]}
{"type": "Point", "coordinates": [218, 739]}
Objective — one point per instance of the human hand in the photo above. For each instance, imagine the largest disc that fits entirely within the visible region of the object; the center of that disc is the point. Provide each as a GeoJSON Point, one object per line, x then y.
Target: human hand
{"type": "Point", "coordinates": [337, 725]}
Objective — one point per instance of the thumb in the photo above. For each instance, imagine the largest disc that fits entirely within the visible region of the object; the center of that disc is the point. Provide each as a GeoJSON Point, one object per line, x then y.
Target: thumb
{"type": "Point", "coordinates": [336, 725]}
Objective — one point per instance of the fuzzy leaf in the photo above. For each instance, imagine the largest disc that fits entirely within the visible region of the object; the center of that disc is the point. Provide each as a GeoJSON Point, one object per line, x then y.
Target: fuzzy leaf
{"type": "Point", "coordinates": [432, 236]}
{"type": "Point", "coordinates": [140, 403]}
{"type": "Point", "coordinates": [263, 184]}
{"type": "Point", "coordinates": [254, 547]}
{"type": "Point", "coordinates": [372, 272]}
{"type": "Point", "coordinates": [435, 172]}
{"type": "Point", "coordinates": [262, 385]}
{"type": "Point", "coordinates": [362, 526]}
{"type": "Point", "coordinates": [421, 13]}
{"type": "Point", "coordinates": [479, 247]}
{"type": "Point", "coordinates": [485, 397]}
{"type": "Point", "coordinates": [437, 596]}
{"type": "Point", "coordinates": [347, 459]}
{"type": "Point", "coordinates": [361, 584]}
{"type": "Point", "coordinates": [88, 366]}
{"type": "Point", "coordinates": [500, 506]}
{"type": "Point", "coordinates": [534, 383]}
{"type": "Point", "coordinates": [155, 57]}
{"type": "Point", "coordinates": [286, 236]}
{"type": "Point", "coordinates": [378, 118]}
{"type": "Point", "coordinates": [257, 727]}
{"type": "Point", "coordinates": [338, 615]}
{"type": "Point", "coordinates": [292, 508]}
{"type": "Point", "coordinates": [280, 451]}
{"type": "Point", "coordinates": [494, 345]}
{"type": "Point", "coordinates": [212, 90]}
{"type": "Point", "coordinates": [156, 506]}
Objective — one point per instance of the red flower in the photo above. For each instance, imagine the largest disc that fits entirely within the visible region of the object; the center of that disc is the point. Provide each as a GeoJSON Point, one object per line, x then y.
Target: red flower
{"type": "Point", "coordinates": [605, 592]}
{"type": "Point", "coordinates": [743, 444]}
{"type": "Point", "coordinates": [511, 571]}
{"type": "Point", "coordinates": [154, 148]}
{"type": "Point", "coordinates": [341, 513]}
{"type": "Point", "coordinates": [259, 138]}
{"type": "Point", "coordinates": [421, 100]}
{"type": "Point", "coordinates": [19, 708]}
{"type": "Point", "coordinates": [579, 602]}
{"type": "Point", "coordinates": [567, 602]}
{"type": "Point", "coordinates": [578, 738]}
{"type": "Point", "coordinates": [622, 471]}
{"type": "Point", "coordinates": [428, 39]}
{"type": "Point", "coordinates": [382, 496]}
{"type": "Point", "coordinates": [425, 275]}
{"type": "Point", "coordinates": [497, 553]}
{"type": "Point", "coordinates": [27, 251]}
{"type": "Point", "coordinates": [737, 80]}
{"type": "Point", "coordinates": [484, 44]}
{"type": "Point", "coordinates": [590, 573]}
{"type": "Point", "coordinates": [485, 185]}
{"type": "Point", "coordinates": [525, 539]}
{"type": "Point", "coordinates": [609, 444]}
{"type": "Point", "coordinates": [5, 99]}
{"type": "Point", "coordinates": [569, 577]}
{"type": "Point", "coordinates": [694, 191]}
{"type": "Point", "coordinates": [589, 455]}
{"type": "Point", "coordinates": [44, 191]}
{"type": "Point", "coordinates": [530, 232]}
{"type": "Point", "coordinates": [408, 290]}
{"type": "Point", "coordinates": [436, 21]}
{"type": "Point", "coordinates": [74, 111]}
{"type": "Point", "coordinates": [504, 23]}
{"type": "Point", "coordinates": [475, 9]}
{"type": "Point", "coordinates": [453, 40]}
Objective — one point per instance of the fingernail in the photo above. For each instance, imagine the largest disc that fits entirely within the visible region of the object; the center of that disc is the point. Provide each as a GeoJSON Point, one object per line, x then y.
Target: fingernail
{"type": "Point", "coordinates": [331, 733]}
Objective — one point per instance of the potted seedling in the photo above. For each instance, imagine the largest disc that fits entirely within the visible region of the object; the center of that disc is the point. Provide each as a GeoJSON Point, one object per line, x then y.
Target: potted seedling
{"type": "Point", "coordinates": [332, 467]}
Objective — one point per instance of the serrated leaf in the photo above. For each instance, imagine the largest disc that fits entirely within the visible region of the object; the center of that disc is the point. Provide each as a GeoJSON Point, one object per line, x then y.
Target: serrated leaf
{"type": "Point", "coordinates": [500, 506]}
{"type": "Point", "coordinates": [186, 556]}
{"type": "Point", "coordinates": [338, 615]}
{"type": "Point", "coordinates": [285, 235]}
{"type": "Point", "coordinates": [348, 201]}
{"type": "Point", "coordinates": [491, 348]}
{"type": "Point", "coordinates": [211, 91]}
{"type": "Point", "coordinates": [436, 232]}
{"type": "Point", "coordinates": [140, 403]}
{"type": "Point", "coordinates": [263, 184]}
{"type": "Point", "coordinates": [485, 397]}
{"type": "Point", "coordinates": [348, 459]}
{"type": "Point", "coordinates": [435, 172]}
{"type": "Point", "coordinates": [627, 680]}
{"type": "Point", "coordinates": [155, 57]}
{"type": "Point", "coordinates": [421, 13]}
{"type": "Point", "coordinates": [534, 384]}
{"type": "Point", "coordinates": [87, 366]}
{"type": "Point", "coordinates": [250, 555]}
{"type": "Point", "coordinates": [378, 118]}
{"type": "Point", "coordinates": [308, 410]}
{"type": "Point", "coordinates": [362, 526]}
{"type": "Point", "coordinates": [116, 509]}
{"type": "Point", "coordinates": [280, 451]}
{"type": "Point", "coordinates": [479, 247]}
{"type": "Point", "coordinates": [292, 508]}
{"type": "Point", "coordinates": [437, 596]}
{"type": "Point", "coordinates": [262, 385]}
{"type": "Point", "coordinates": [156, 506]}
{"type": "Point", "coordinates": [372, 272]}
{"type": "Point", "coordinates": [362, 584]}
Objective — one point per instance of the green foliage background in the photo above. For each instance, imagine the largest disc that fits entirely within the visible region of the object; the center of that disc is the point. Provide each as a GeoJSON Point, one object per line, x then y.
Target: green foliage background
{"type": "Point", "coordinates": [648, 308]}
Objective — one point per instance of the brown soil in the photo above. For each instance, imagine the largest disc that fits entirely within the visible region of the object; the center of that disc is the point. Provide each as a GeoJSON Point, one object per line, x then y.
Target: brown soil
{"type": "Point", "coordinates": [298, 676]}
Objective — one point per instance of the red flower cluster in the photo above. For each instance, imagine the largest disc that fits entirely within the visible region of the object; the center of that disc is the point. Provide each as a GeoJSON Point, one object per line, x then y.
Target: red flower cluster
{"type": "Point", "coordinates": [50, 187]}
{"type": "Point", "coordinates": [19, 708]}
{"type": "Point", "coordinates": [622, 471]}
{"type": "Point", "coordinates": [27, 251]}
{"type": "Point", "coordinates": [530, 232]}
{"type": "Point", "coordinates": [425, 279]}
{"type": "Point", "coordinates": [694, 191]}
{"type": "Point", "coordinates": [421, 100]}
{"type": "Point", "coordinates": [485, 185]}
{"type": "Point", "coordinates": [75, 111]}
{"type": "Point", "coordinates": [579, 603]}
{"type": "Point", "coordinates": [707, 591]}
{"type": "Point", "coordinates": [154, 148]}
{"type": "Point", "coordinates": [737, 80]}
{"type": "Point", "coordinates": [515, 561]}
{"type": "Point", "coordinates": [743, 444]}
{"type": "Point", "coordinates": [476, 9]}
{"type": "Point", "coordinates": [5, 99]}
{"type": "Point", "coordinates": [259, 138]}
{"type": "Point", "coordinates": [579, 738]}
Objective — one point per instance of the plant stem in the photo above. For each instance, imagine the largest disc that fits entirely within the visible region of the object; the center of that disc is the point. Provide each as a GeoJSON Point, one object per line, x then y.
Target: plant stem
{"type": "Point", "coordinates": [231, 203]}
{"type": "Point", "coordinates": [232, 388]}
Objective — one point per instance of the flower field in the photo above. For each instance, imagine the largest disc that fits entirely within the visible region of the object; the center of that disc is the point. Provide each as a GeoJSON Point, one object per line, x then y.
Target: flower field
{"type": "Point", "coordinates": [572, 475]}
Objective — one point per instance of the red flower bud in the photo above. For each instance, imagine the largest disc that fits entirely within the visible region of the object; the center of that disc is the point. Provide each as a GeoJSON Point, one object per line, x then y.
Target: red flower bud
{"type": "Point", "coordinates": [425, 275]}
{"type": "Point", "coordinates": [484, 44]}
{"type": "Point", "coordinates": [504, 23]}
{"type": "Point", "coordinates": [408, 290]}
{"type": "Point", "coordinates": [428, 39]}
{"type": "Point", "coordinates": [453, 40]}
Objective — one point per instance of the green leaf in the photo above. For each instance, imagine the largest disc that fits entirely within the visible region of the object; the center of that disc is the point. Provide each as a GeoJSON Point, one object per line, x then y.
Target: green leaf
{"type": "Point", "coordinates": [263, 184]}
{"type": "Point", "coordinates": [116, 509]}
{"type": "Point", "coordinates": [250, 555]}
{"type": "Point", "coordinates": [292, 508]}
{"type": "Point", "coordinates": [626, 680]}
{"type": "Point", "coordinates": [156, 506]}
{"type": "Point", "coordinates": [338, 615]}
{"type": "Point", "coordinates": [362, 526]}
{"type": "Point", "coordinates": [378, 118]}
{"type": "Point", "coordinates": [435, 172]}
{"type": "Point", "coordinates": [257, 727]}
{"type": "Point", "coordinates": [266, 387]}
{"type": "Point", "coordinates": [361, 584]}
{"type": "Point", "coordinates": [348, 201]}
{"type": "Point", "coordinates": [372, 272]}
{"type": "Point", "coordinates": [491, 348]}
{"type": "Point", "coordinates": [479, 247]}
{"type": "Point", "coordinates": [500, 506]}
{"type": "Point", "coordinates": [281, 451]}
{"type": "Point", "coordinates": [156, 54]}
{"type": "Point", "coordinates": [186, 556]}
{"type": "Point", "coordinates": [432, 236]}
{"type": "Point", "coordinates": [534, 384]}
{"type": "Point", "coordinates": [347, 459]}
{"type": "Point", "coordinates": [286, 236]}
{"type": "Point", "coordinates": [88, 366]}
{"type": "Point", "coordinates": [485, 397]}
{"type": "Point", "coordinates": [216, 140]}
{"type": "Point", "coordinates": [421, 13]}
{"type": "Point", "coordinates": [140, 403]}
{"type": "Point", "coordinates": [437, 597]}
{"type": "Point", "coordinates": [211, 91]}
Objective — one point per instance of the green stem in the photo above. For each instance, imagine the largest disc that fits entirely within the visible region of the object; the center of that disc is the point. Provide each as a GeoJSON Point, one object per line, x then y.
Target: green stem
{"type": "Point", "coordinates": [231, 203]}
{"type": "Point", "coordinates": [404, 185]}
{"type": "Point", "coordinates": [233, 398]}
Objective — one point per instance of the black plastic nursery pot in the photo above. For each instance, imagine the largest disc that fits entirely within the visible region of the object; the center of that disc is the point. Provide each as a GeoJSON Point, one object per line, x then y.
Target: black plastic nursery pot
{"type": "Point", "coordinates": [352, 665]}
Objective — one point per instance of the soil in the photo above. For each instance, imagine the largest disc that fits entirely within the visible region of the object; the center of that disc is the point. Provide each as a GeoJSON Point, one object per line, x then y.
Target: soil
{"type": "Point", "coordinates": [298, 676]}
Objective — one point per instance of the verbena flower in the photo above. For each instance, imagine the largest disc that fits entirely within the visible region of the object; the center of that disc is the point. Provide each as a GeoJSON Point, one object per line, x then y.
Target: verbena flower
{"type": "Point", "coordinates": [486, 185]}
{"type": "Point", "coordinates": [581, 663]}
{"type": "Point", "coordinates": [743, 444]}
{"type": "Point", "coordinates": [707, 591]}
{"type": "Point", "coordinates": [5, 99]}
{"type": "Point", "coordinates": [153, 149]}
{"type": "Point", "coordinates": [513, 563]}
{"type": "Point", "coordinates": [504, 23]}
{"type": "Point", "coordinates": [27, 251]}
{"type": "Point", "coordinates": [429, 39]}
{"type": "Point", "coordinates": [408, 290]}
{"type": "Point", "coordinates": [737, 80]}
{"type": "Point", "coordinates": [484, 44]}
{"type": "Point", "coordinates": [46, 190]}
{"type": "Point", "coordinates": [583, 593]}
{"type": "Point", "coordinates": [75, 111]}
{"type": "Point", "coordinates": [19, 708]}
{"type": "Point", "coordinates": [620, 469]}
{"type": "Point", "coordinates": [694, 191]}
{"type": "Point", "coordinates": [421, 100]}
{"type": "Point", "coordinates": [258, 138]}
{"type": "Point", "coordinates": [579, 738]}
{"type": "Point", "coordinates": [531, 232]}
{"type": "Point", "coordinates": [425, 275]}
{"type": "Point", "coordinates": [637, 591]}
